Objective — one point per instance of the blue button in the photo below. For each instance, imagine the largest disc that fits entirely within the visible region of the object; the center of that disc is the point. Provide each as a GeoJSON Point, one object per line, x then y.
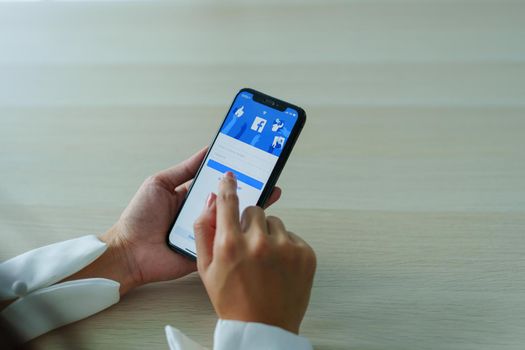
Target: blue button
{"type": "Point", "coordinates": [240, 176]}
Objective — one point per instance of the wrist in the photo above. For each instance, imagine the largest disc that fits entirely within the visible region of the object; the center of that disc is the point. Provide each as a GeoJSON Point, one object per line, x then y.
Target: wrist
{"type": "Point", "coordinates": [120, 261]}
{"type": "Point", "coordinates": [116, 264]}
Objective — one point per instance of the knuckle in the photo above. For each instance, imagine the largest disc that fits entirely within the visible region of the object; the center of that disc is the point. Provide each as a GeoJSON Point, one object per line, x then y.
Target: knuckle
{"type": "Point", "coordinates": [282, 243]}
{"type": "Point", "coordinates": [275, 220]}
{"type": "Point", "coordinates": [229, 197]}
{"type": "Point", "coordinates": [155, 180]}
{"type": "Point", "coordinates": [257, 209]}
{"type": "Point", "coordinates": [199, 224]}
{"type": "Point", "coordinates": [300, 253]}
{"type": "Point", "coordinates": [228, 248]}
{"type": "Point", "coordinates": [293, 253]}
{"type": "Point", "coordinates": [251, 217]}
{"type": "Point", "coordinates": [151, 179]}
{"type": "Point", "coordinates": [311, 259]}
{"type": "Point", "coordinates": [253, 210]}
{"type": "Point", "coordinates": [261, 247]}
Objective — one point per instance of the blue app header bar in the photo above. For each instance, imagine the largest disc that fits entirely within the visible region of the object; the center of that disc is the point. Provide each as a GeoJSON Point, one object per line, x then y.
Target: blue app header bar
{"type": "Point", "coordinates": [240, 176]}
{"type": "Point", "coordinates": [259, 125]}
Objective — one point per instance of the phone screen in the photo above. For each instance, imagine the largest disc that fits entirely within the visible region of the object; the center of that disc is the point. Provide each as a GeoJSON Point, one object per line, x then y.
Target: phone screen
{"type": "Point", "coordinates": [249, 144]}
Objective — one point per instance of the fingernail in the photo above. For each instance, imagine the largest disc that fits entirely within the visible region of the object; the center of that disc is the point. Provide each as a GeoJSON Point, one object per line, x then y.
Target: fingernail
{"type": "Point", "coordinates": [230, 175]}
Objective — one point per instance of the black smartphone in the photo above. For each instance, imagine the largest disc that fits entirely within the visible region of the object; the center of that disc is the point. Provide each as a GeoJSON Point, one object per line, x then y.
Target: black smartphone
{"type": "Point", "coordinates": [253, 142]}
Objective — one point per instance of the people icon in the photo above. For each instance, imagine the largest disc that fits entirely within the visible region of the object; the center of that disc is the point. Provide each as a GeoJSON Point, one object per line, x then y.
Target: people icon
{"type": "Point", "coordinates": [278, 142]}
{"type": "Point", "coordinates": [277, 125]}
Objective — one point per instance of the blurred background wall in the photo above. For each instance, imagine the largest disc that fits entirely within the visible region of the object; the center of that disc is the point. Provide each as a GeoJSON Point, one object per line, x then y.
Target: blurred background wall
{"type": "Point", "coordinates": [358, 53]}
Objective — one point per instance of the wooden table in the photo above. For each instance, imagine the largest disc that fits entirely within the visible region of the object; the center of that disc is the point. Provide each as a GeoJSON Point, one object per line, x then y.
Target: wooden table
{"type": "Point", "coordinates": [408, 180]}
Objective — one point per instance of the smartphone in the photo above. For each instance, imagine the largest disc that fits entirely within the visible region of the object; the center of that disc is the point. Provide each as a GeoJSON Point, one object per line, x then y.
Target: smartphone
{"type": "Point", "coordinates": [253, 142]}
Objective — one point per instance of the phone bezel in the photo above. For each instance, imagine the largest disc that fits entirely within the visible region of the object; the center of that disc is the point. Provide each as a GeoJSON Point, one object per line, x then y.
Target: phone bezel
{"type": "Point", "coordinates": [276, 172]}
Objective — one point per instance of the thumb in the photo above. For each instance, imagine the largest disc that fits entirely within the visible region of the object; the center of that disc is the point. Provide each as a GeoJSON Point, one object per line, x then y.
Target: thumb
{"type": "Point", "coordinates": [204, 228]}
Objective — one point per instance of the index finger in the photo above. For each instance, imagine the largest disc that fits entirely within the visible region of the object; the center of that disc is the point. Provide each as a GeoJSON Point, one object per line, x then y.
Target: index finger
{"type": "Point", "coordinates": [228, 221]}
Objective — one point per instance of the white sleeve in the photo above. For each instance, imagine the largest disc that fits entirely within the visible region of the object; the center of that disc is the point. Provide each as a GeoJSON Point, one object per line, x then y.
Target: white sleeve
{"type": "Point", "coordinates": [43, 304]}
{"type": "Point", "coordinates": [44, 266]}
{"type": "Point", "coordinates": [238, 335]}
{"type": "Point", "coordinates": [179, 341]}
{"type": "Point", "coordinates": [255, 336]}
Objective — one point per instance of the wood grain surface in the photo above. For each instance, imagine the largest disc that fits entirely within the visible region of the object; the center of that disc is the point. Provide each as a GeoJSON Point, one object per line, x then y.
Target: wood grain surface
{"type": "Point", "coordinates": [408, 179]}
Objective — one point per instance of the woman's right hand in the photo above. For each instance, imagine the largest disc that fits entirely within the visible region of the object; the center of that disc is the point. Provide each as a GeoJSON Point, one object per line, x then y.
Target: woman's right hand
{"type": "Point", "coordinates": [253, 269]}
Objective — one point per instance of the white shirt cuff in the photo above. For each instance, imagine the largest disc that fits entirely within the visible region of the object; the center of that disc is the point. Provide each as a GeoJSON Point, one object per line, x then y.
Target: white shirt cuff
{"type": "Point", "coordinates": [237, 335]}
{"type": "Point", "coordinates": [45, 266]}
{"type": "Point", "coordinates": [256, 336]}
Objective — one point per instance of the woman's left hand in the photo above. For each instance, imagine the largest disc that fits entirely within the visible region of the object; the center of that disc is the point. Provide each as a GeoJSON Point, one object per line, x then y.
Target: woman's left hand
{"type": "Point", "coordinates": [137, 251]}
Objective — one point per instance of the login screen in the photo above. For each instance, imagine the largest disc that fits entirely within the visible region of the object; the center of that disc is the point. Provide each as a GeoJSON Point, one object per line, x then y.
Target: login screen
{"type": "Point", "coordinates": [249, 144]}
